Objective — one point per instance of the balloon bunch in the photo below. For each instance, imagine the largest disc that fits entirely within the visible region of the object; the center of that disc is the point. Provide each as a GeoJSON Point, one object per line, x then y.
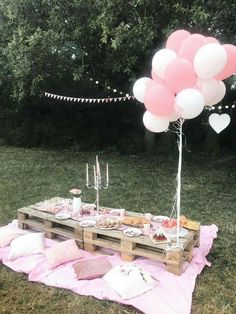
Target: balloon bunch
{"type": "Point", "coordinates": [186, 76]}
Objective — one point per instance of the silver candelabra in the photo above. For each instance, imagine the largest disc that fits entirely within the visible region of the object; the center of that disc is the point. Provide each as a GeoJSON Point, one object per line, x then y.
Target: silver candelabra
{"type": "Point", "coordinates": [98, 185]}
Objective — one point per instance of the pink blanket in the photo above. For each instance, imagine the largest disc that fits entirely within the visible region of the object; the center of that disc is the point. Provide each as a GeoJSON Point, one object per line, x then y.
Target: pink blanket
{"type": "Point", "coordinates": [173, 294]}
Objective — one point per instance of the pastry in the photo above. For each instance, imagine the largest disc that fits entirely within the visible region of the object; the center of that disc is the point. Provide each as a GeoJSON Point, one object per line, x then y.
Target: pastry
{"type": "Point", "coordinates": [108, 223]}
{"type": "Point", "coordinates": [135, 221]}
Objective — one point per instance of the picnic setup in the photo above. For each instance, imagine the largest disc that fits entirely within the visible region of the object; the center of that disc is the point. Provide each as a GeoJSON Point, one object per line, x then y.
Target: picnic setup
{"type": "Point", "coordinates": [149, 261]}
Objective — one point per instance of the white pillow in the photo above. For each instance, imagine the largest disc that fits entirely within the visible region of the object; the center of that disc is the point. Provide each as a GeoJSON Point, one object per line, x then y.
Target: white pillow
{"type": "Point", "coordinates": [8, 234]}
{"type": "Point", "coordinates": [28, 244]}
{"type": "Point", "coordinates": [129, 281]}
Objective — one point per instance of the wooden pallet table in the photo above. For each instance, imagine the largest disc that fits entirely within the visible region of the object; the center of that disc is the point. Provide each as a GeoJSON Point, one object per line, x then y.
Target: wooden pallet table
{"type": "Point", "coordinates": [130, 247]}
{"type": "Point", "coordinates": [92, 238]}
{"type": "Point", "coordinates": [30, 217]}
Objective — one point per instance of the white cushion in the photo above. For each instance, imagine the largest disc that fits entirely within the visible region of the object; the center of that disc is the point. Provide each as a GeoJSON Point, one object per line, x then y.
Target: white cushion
{"type": "Point", "coordinates": [129, 281]}
{"type": "Point", "coordinates": [28, 244]}
{"type": "Point", "coordinates": [7, 234]}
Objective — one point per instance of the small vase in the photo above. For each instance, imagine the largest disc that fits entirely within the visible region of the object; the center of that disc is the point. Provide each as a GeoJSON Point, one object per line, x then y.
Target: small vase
{"type": "Point", "coordinates": [76, 204]}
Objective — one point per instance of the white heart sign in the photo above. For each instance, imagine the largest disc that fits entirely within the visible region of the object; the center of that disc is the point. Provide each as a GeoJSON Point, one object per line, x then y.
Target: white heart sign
{"type": "Point", "coordinates": [219, 122]}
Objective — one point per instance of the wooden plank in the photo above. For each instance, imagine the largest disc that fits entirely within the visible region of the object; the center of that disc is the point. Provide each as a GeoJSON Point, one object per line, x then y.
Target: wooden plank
{"type": "Point", "coordinates": [177, 257]}
{"type": "Point", "coordinates": [127, 257]}
{"type": "Point", "coordinates": [33, 223]}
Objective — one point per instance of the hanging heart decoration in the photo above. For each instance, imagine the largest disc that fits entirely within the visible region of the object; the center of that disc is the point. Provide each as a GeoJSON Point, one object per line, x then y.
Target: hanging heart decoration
{"type": "Point", "coordinates": [219, 122]}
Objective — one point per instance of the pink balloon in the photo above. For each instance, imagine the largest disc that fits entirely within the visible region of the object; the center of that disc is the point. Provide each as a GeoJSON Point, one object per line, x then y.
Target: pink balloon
{"type": "Point", "coordinates": [176, 38]}
{"type": "Point", "coordinates": [179, 75]}
{"type": "Point", "coordinates": [230, 66]}
{"type": "Point", "coordinates": [159, 100]}
{"type": "Point", "coordinates": [190, 45]}
{"type": "Point", "coordinates": [212, 40]}
{"type": "Point", "coordinates": [150, 84]}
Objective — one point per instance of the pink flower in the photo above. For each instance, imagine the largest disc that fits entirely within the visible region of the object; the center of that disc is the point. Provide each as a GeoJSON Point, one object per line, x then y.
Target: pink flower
{"type": "Point", "coordinates": [75, 191]}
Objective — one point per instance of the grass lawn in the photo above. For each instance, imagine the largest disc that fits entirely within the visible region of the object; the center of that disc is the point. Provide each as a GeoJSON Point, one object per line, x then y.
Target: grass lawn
{"type": "Point", "coordinates": [138, 183]}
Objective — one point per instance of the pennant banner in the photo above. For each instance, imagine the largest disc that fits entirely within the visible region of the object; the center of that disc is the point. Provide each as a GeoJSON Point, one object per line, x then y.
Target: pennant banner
{"type": "Point", "coordinates": [90, 100]}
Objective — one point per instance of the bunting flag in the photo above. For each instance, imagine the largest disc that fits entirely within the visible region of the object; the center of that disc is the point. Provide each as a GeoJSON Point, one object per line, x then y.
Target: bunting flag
{"type": "Point", "coordinates": [90, 100]}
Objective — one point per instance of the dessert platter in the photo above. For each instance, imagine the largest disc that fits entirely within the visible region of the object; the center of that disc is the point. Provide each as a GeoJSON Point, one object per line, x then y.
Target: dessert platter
{"type": "Point", "coordinates": [86, 211]}
{"type": "Point", "coordinates": [108, 223]}
{"type": "Point", "coordinates": [189, 224]}
{"type": "Point", "coordinates": [135, 221]}
{"type": "Point", "coordinates": [159, 219]}
{"type": "Point", "coordinates": [49, 207]}
{"type": "Point", "coordinates": [159, 237]}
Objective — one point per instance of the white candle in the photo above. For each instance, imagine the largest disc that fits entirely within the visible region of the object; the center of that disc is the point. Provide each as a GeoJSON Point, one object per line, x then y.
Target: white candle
{"type": "Point", "coordinates": [98, 167]}
{"type": "Point", "coordinates": [94, 173]}
{"type": "Point", "coordinates": [107, 174]}
{"type": "Point", "coordinates": [87, 174]}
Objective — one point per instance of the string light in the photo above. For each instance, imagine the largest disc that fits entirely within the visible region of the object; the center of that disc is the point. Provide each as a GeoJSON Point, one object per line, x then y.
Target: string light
{"type": "Point", "coordinates": [210, 108]}
{"type": "Point", "coordinates": [104, 85]}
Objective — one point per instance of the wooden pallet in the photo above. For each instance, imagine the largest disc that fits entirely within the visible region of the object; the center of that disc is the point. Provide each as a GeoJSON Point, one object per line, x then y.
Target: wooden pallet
{"type": "Point", "coordinates": [130, 247]}
{"type": "Point", "coordinates": [91, 239]}
{"type": "Point", "coordinates": [35, 219]}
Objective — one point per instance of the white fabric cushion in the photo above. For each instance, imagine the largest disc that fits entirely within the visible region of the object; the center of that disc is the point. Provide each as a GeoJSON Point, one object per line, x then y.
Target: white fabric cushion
{"type": "Point", "coordinates": [7, 234]}
{"type": "Point", "coordinates": [27, 244]}
{"type": "Point", "coordinates": [129, 281]}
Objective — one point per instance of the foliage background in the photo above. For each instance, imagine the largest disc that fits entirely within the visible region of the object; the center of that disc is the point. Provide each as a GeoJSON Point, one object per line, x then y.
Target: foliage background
{"type": "Point", "coordinates": [58, 46]}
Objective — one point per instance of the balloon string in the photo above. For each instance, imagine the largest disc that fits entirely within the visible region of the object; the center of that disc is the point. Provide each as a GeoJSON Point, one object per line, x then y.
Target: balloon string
{"type": "Point", "coordinates": [178, 195]}
{"type": "Point", "coordinates": [177, 198]}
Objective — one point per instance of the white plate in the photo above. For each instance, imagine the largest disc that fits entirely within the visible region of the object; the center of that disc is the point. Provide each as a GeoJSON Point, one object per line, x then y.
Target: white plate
{"type": "Point", "coordinates": [62, 216]}
{"type": "Point", "coordinates": [182, 233]}
{"type": "Point", "coordinates": [159, 218]}
{"type": "Point", "coordinates": [132, 232]}
{"type": "Point", "coordinates": [87, 223]}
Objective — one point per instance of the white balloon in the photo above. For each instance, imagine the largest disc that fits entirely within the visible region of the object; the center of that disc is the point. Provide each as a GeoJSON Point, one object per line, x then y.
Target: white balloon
{"type": "Point", "coordinates": [155, 123]}
{"type": "Point", "coordinates": [209, 60]}
{"type": "Point", "coordinates": [140, 87]}
{"type": "Point", "coordinates": [161, 60]}
{"type": "Point", "coordinates": [219, 121]}
{"type": "Point", "coordinates": [208, 88]}
{"type": "Point", "coordinates": [221, 90]}
{"type": "Point", "coordinates": [189, 103]}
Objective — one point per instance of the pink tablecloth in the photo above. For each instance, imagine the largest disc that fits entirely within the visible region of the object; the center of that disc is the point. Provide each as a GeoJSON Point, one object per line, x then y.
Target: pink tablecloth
{"type": "Point", "coordinates": [173, 294]}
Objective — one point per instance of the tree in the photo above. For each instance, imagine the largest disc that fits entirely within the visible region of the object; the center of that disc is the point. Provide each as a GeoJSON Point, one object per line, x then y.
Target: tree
{"type": "Point", "coordinates": [47, 44]}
